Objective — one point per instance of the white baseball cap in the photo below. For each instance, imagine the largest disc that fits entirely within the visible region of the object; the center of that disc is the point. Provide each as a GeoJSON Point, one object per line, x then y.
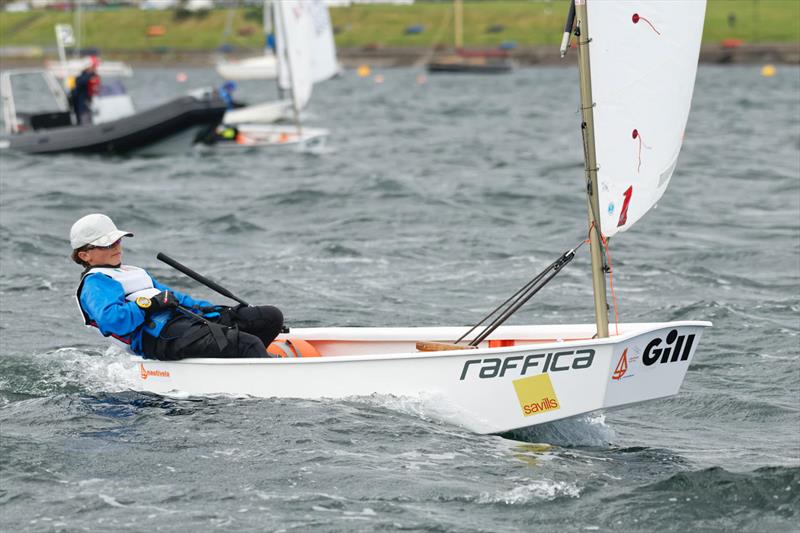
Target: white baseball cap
{"type": "Point", "coordinates": [95, 229]}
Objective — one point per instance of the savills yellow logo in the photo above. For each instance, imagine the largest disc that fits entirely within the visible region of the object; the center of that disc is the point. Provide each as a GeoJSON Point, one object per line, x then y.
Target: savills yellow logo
{"type": "Point", "coordinates": [536, 395]}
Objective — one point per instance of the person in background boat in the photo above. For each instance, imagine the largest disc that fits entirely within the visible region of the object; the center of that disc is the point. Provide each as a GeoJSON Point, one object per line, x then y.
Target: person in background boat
{"type": "Point", "coordinates": [226, 93]}
{"type": "Point", "coordinates": [153, 320]}
{"type": "Point", "coordinates": [87, 86]}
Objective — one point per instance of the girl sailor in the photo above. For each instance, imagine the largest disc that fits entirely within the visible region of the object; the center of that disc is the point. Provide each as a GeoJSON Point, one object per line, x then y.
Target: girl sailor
{"type": "Point", "coordinates": [126, 303]}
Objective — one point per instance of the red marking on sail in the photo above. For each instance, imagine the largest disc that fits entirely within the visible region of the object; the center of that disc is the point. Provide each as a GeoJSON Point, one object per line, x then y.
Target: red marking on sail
{"type": "Point", "coordinates": [636, 18]}
{"type": "Point", "coordinates": [622, 366]}
{"type": "Point", "coordinates": [623, 214]}
{"type": "Point", "coordinates": [636, 135]}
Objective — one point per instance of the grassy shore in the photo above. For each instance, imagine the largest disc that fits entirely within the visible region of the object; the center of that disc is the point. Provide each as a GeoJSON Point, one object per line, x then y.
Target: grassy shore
{"type": "Point", "coordinates": [523, 22]}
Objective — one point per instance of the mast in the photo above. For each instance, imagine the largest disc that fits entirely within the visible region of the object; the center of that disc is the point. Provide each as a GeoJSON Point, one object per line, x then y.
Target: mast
{"type": "Point", "coordinates": [458, 22]}
{"type": "Point", "coordinates": [78, 24]}
{"type": "Point", "coordinates": [590, 159]}
{"type": "Point", "coordinates": [272, 24]}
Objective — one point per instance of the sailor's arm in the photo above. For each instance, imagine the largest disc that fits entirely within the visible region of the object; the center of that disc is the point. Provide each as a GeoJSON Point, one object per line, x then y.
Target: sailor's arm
{"type": "Point", "coordinates": [183, 299]}
{"type": "Point", "coordinates": [103, 299]}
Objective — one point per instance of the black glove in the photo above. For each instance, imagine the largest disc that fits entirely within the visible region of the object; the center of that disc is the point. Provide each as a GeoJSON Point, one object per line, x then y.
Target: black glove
{"type": "Point", "coordinates": [160, 302]}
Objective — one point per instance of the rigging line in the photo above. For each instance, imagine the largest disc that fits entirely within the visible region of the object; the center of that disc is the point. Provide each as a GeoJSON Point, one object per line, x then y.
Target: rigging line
{"type": "Point", "coordinates": [517, 296]}
{"type": "Point", "coordinates": [531, 290]}
{"type": "Point", "coordinates": [514, 297]}
{"type": "Point", "coordinates": [606, 253]}
{"type": "Point", "coordinates": [602, 239]}
{"type": "Point", "coordinates": [611, 281]}
{"type": "Point", "coordinates": [595, 212]}
{"type": "Point", "coordinates": [560, 263]}
{"type": "Point", "coordinates": [518, 299]}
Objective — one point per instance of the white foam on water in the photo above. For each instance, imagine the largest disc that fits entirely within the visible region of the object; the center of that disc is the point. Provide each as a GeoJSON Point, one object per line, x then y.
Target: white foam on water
{"type": "Point", "coordinates": [583, 430]}
{"type": "Point", "coordinates": [110, 501]}
{"type": "Point", "coordinates": [427, 407]}
{"type": "Point", "coordinates": [112, 372]}
{"type": "Point", "coordinates": [539, 489]}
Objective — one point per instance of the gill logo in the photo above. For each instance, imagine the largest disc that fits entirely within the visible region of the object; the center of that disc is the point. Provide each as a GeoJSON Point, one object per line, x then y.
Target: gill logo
{"type": "Point", "coordinates": [680, 346]}
{"type": "Point", "coordinates": [622, 366]}
{"type": "Point", "coordinates": [144, 373]}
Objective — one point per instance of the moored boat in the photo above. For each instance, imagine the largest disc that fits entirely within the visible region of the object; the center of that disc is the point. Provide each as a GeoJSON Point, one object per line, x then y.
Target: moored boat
{"type": "Point", "coordinates": [116, 129]}
{"type": "Point", "coordinates": [463, 61]}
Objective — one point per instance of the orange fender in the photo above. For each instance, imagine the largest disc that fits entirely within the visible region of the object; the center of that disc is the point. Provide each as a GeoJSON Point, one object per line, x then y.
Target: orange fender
{"type": "Point", "coordinates": [292, 348]}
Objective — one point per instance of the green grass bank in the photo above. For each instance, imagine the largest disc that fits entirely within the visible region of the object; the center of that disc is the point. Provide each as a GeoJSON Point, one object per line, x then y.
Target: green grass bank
{"type": "Point", "coordinates": [523, 22]}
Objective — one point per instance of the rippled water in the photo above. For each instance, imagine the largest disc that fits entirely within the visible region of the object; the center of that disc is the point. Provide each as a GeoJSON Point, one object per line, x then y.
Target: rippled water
{"type": "Point", "coordinates": [434, 202]}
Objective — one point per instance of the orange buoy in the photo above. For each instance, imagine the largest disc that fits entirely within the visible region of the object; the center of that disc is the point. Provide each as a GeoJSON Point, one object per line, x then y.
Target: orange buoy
{"type": "Point", "coordinates": [156, 31]}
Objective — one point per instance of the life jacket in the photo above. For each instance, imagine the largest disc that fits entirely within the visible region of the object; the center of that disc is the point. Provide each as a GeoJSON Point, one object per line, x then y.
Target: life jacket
{"type": "Point", "coordinates": [93, 86]}
{"type": "Point", "coordinates": [135, 282]}
{"type": "Point", "coordinates": [292, 348]}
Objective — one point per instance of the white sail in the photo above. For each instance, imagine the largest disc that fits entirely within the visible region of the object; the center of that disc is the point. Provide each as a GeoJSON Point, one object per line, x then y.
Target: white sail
{"type": "Point", "coordinates": [643, 65]}
{"type": "Point", "coordinates": [295, 49]}
{"type": "Point", "coordinates": [323, 59]}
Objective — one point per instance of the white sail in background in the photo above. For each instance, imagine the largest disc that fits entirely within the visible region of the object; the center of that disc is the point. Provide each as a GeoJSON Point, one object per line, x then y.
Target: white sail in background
{"type": "Point", "coordinates": [295, 49]}
{"type": "Point", "coordinates": [324, 63]}
{"type": "Point", "coordinates": [643, 64]}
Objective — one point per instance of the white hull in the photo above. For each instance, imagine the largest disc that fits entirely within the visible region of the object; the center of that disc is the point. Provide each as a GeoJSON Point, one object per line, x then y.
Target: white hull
{"type": "Point", "coordinates": [253, 68]}
{"type": "Point", "coordinates": [551, 372]}
{"type": "Point", "coordinates": [265, 113]}
{"type": "Point", "coordinates": [276, 135]}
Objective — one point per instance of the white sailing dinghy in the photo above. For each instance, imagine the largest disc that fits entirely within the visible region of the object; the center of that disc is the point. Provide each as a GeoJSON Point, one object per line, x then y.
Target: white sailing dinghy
{"type": "Point", "coordinates": [294, 30]}
{"type": "Point", "coordinates": [639, 86]}
{"type": "Point", "coordinates": [263, 67]}
{"type": "Point", "coordinates": [324, 66]}
{"type": "Point", "coordinates": [306, 54]}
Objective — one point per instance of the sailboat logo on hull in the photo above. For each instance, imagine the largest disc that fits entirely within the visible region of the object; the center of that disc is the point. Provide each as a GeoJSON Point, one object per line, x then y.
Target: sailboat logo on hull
{"type": "Point", "coordinates": [622, 366]}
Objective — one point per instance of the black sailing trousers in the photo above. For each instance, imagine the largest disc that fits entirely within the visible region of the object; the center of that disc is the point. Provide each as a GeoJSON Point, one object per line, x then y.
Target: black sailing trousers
{"type": "Point", "coordinates": [236, 332]}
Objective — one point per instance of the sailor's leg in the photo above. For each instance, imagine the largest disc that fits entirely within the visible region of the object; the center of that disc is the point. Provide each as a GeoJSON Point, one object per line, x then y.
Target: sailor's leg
{"type": "Point", "coordinates": [222, 342]}
{"type": "Point", "coordinates": [185, 337]}
{"type": "Point", "coordinates": [263, 321]}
